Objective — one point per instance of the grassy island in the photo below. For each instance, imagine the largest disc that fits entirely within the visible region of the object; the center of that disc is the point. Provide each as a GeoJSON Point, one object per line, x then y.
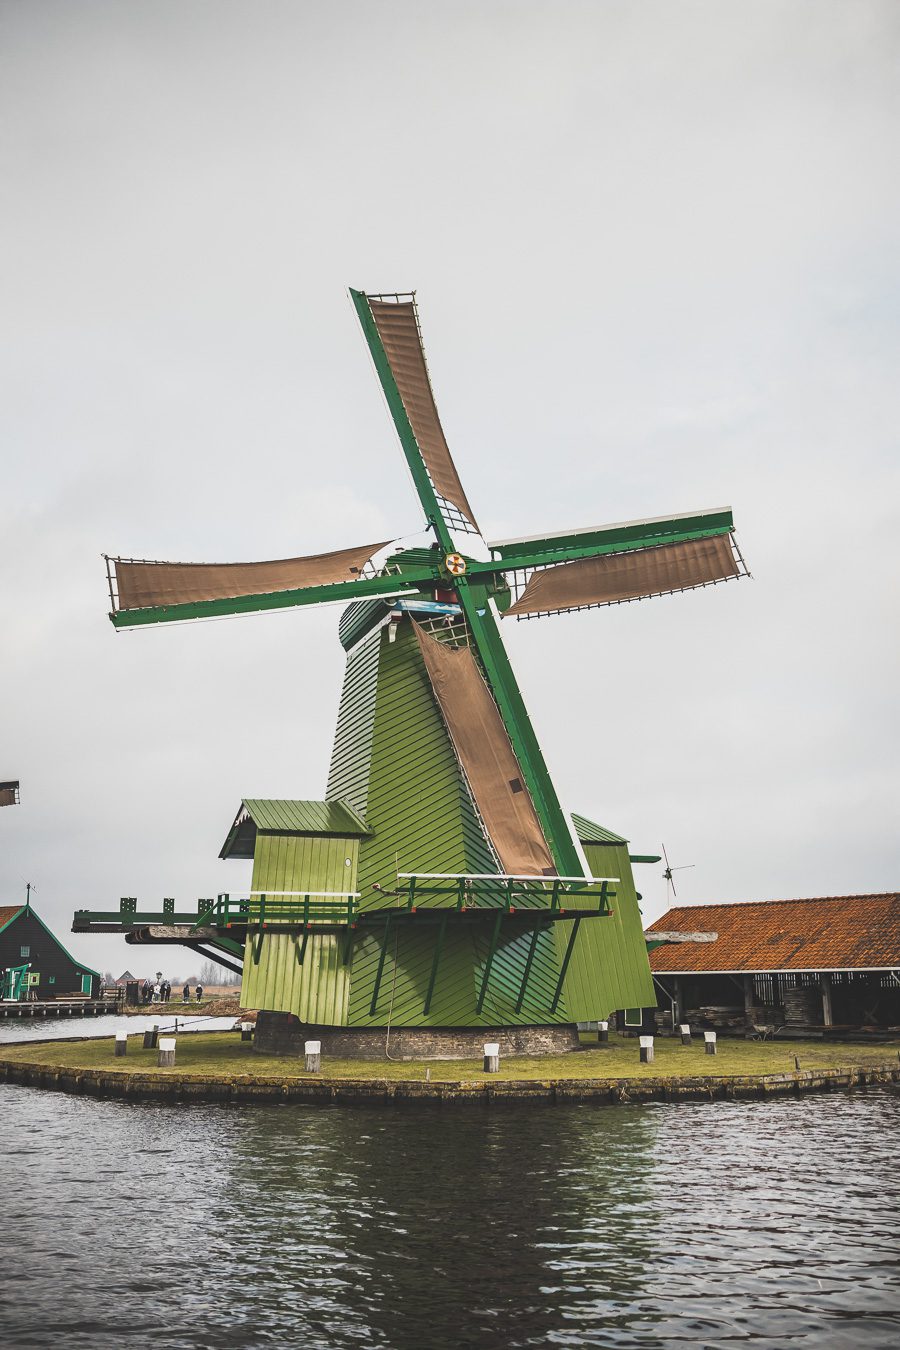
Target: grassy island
{"type": "Point", "coordinates": [218, 1065]}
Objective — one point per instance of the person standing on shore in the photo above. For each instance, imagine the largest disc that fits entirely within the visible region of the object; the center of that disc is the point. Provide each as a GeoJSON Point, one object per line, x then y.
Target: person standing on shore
{"type": "Point", "coordinates": [199, 992]}
{"type": "Point", "coordinates": [186, 994]}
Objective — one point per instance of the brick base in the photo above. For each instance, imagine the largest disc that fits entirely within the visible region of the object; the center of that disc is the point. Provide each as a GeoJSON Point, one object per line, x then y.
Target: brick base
{"type": "Point", "coordinates": [280, 1033]}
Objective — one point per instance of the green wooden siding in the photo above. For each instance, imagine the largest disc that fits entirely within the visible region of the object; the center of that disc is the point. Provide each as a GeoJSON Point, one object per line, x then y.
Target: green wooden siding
{"type": "Point", "coordinates": [609, 968]}
{"type": "Point", "coordinates": [407, 973]}
{"type": "Point", "coordinates": [287, 862]}
{"type": "Point", "coordinates": [351, 757]}
{"type": "Point", "coordinates": [317, 990]}
{"type": "Point", "coordinates": [417, 804]}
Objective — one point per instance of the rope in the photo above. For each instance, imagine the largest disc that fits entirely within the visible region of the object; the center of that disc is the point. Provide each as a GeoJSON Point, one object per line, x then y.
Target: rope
{"type": "Point", "coordinates": [387, 1040]}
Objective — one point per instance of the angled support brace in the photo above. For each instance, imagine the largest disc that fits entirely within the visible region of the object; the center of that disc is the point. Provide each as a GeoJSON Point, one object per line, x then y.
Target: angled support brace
{"type": "Point", "coordinates": [529, 962]}
{"type": "Point", "coordinates": [301, 946]}
{"type": "Point", "coordinates": [565, 964]}
{"type": "Point", "coordinates": [492, 950]}
{"type": "Point", "coordinates": [213, 954]}
{"type": "Point", "coordinates": [438, 946]}
{"type": "Point", "coordinates": [347, 947]}
{"type": "Point", "coordinates": [257, 947]}
{"type": "Point", "coordinates": [380, 971]}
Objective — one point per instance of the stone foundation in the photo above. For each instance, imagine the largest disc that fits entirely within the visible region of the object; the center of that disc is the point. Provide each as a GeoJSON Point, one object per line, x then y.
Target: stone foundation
{"type": "Point", "coordinates": [280, 1033]}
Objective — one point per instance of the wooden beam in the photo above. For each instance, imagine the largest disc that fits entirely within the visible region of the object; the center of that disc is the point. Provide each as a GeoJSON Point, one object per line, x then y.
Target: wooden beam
{"type": "Point", "coordinates": [565, 964]}
{"type": "Point", "coordinates": [380, 971]}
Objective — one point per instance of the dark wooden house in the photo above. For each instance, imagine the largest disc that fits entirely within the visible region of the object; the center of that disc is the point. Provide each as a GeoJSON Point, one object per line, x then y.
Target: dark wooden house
{"type": "Point", "coordinates": [782, 964]}
{"type": "Point", "coordinates": [34, 963]}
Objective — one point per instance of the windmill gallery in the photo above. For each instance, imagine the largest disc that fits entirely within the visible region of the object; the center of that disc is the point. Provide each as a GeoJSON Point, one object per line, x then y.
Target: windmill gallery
{"type": "Point", "coordinates": [438, 890]}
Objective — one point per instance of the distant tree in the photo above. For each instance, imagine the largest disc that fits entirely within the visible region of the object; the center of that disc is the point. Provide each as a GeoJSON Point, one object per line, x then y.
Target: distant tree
{"type": "Point", "coordinates": [210, 973]}
{"type": "Point", "coordinates": [109, 978]}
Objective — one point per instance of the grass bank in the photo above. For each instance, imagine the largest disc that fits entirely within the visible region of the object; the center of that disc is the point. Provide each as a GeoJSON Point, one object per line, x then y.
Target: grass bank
{"type": "Point", "coordinates": [224, 1055]}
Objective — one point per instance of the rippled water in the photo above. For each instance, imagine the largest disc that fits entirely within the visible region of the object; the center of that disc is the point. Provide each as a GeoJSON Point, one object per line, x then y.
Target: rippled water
{"type": "Point", "coordinates": [59, 1028]}
{"type": "Point", "coordinates": [709, 1224]}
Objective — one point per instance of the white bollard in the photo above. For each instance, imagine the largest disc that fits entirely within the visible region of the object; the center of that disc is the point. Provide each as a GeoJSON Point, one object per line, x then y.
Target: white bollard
{"type": "Point", "coordinates": [246, 1031]}
{"type": "Point", "coordinates": [121, 1043]}
{"type": "Point", "coordinates": [492, 1057]}
{"type": "Point", "coordinates": [312, 1051]}
{"type": "Point", "coordinates": [646, 1049]}
{"type": "Point", "coordinates": [685, 1030]}
{"type": "Point", "coordinates": [710, 1038]}
{"type": "Point", "coordinates": [603, 1033]}
{"type": "Point", "coordinates": [151, 1035]}
{"type": "Point", "coordinates": [166, 1057]}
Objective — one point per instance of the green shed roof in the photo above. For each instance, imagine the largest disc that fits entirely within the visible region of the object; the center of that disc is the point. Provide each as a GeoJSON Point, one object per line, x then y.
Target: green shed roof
{"type": "Point", "coordinates": [279, 816]}
{"type": "Point", "coordinates": [591, 833]}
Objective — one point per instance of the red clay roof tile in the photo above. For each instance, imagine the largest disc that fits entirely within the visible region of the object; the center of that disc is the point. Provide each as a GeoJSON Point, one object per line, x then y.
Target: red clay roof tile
{"type": "Point", "coordinates": [843, 932]}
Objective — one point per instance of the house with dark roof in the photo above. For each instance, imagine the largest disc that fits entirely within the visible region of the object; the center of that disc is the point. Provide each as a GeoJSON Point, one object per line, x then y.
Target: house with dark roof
{"type": "Point", "coordinates": [805, 964]}
{"type": "Point", "coordinates": [33, 961]}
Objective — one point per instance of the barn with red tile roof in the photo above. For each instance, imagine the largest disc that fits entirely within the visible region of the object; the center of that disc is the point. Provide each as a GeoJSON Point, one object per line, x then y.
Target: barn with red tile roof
{"type": "Point", "coordinates": [832, 961]}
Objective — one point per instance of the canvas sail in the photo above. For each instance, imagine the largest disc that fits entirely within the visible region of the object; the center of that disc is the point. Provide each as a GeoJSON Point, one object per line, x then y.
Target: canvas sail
{"type": "Point", "coordinates": [140, 584]}
{"type": "Point", "coordinates": [614, 577]}
{"type": "Point", "coordinates": [398, 329]}
{"type": "Point", "coordinates": [491, 768]}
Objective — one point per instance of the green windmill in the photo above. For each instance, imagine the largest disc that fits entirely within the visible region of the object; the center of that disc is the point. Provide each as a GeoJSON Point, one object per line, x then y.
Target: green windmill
{"type": "Point", "coordinates": [439, 889]}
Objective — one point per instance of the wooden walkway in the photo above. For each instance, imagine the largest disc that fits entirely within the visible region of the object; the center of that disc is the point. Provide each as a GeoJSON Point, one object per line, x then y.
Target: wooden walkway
{"type": "Point", "coordinates": [82, 1007]}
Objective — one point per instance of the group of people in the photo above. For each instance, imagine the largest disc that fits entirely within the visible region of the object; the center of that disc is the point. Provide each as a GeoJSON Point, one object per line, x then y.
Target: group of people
{"type": "Point", "coordinates": [161, 991]}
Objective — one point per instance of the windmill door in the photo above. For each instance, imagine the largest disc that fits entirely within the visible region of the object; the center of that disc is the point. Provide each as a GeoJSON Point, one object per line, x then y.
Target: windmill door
{"type": "Point", "coordinates": [14, 982]}
{"type": "Point", "coordinates": [85, 984]}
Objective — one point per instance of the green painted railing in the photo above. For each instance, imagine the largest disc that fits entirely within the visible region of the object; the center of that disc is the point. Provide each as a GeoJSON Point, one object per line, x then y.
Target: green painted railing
{"type": "Point", "coordinates": [296, 909]}
{"type": "Point", "coordinates": [507, 893]}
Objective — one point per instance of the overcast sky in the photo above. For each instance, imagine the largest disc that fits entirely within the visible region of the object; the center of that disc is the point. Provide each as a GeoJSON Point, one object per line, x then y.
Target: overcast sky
{"type": "Point", "coordinates": [656, 253]}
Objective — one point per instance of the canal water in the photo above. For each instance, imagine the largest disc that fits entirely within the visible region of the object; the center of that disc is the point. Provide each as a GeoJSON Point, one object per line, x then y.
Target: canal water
{"type": "Point", "coordinates": [714, 1225]}
{"type": "Point", "coordinates": [61, 1028]}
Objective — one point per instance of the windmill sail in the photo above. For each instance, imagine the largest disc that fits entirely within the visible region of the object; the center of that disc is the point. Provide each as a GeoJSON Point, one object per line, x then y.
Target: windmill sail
{"type": "Point", "coordinates": [398, 328]}
{"type": "Point", "coordinates": [615, 577]}
{"type": "Point", "coordinates": [490, 765]}
{"type": "Point", "coordinates": [140, 584]}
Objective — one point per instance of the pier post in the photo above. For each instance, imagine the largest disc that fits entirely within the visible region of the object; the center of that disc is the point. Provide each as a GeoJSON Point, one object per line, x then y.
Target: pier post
{"type": "Point", "coordinates": [603, 1033]}
{"type": "Point", "coordinates": [646, 1053]}
{"type": "Point", "coordinates": [151, 1035]}
{"type": "Point", "coordinates": [492, 1057]}
{"type": "Point", "coordinates": [312, 1051]}
{"type": "Point", "coordinates": [121, 1043]}
{"type": "Point", "coordinates": [246, 1031]}
{"type": "Point", "coordinates": [825, 982]}
{"type": "Point", "coordinates": [710, 1039]}
{"type": "Point", "coordinates": [166, 1057]}
{"type": "Point", "coordinates": [685, 1030]}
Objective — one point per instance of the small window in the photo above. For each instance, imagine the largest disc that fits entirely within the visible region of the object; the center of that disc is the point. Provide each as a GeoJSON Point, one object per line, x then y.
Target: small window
{"type": "Point", "coordinates": [24, 952]}
{"type": "Point", "coordinates": [634, 1017]}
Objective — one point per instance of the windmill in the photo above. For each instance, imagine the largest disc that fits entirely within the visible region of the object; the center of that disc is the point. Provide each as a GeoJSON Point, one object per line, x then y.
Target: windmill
{"type": "Point", "coordinates": [668, 878]}
{"type": "Point", "coordinates": [457, 894]}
